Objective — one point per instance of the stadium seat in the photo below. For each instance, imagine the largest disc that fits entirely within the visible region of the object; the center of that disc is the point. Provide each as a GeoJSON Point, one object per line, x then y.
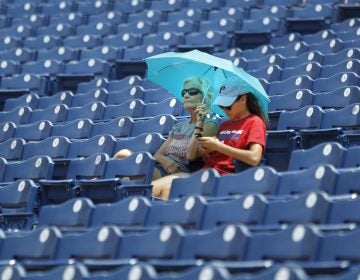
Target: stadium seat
{"type": "Point", "coordinates": [308, 208]}
{"type": "Point", "coordinates": [72, 215]}
{"type": "Point", "coordinates": [147, 142]}
{"type": "Point", "coordinates": [325, 153]}
{"type": "Point", "coordinates": [184, 26]}
{"type": "Point", "coordinates": [129, 7]}
{"type": "Point", "coordinates": [7, 130]}
{"type": "Point", "coordinates": [167, 40]}
{"type": "Point", "coordinates": [297, 242]}
{"type": "Point", "coordinates": [94, 95]}
{"type": "Point", "coordinates": [95, 8]}
{"type": "Point", "coordinates": [19, 31]}
{"type": "Point", "coordinates": [12, 149]}
{"type": "Point", "coordinates": [292, 100]}
{"type": "Point", "coordinates": [73, 18]}
{"type": "Point", "coordinates": [261, 179]}
{"type": "Point", "coordinates": [169, 106]}
{"type": "Point", "coordinates": [15, 271]}
{"type": "Point", "coordinates": [40, 243]}
{"type": "Point", "coordinates": [342, 67]}
{"type": "Point", "coordinates": [186, 212]}
{"type": "Point", "coordinates": [245, 209]}
{"type": "Point", "coordinates": [18, 201]}
{"type": "Point", "coordinates": [34, 131]}
{"type": "Point", "coordinates": [132, 108]}
{"type": "Point", "coordinates": [58, 191]}
{"type": "Point", "coordinates": [202, 182]}
{"type": "Point", "coordinates": [60, 53]}
{"type": "Point", "coordinates": [293, 49]}
{"type": "Point", "coordinates": [133, 211]}
{"type": "Point", "coordinates": [107, 53]}
{"type": "Point", "coordinates": [87, 147]}
{"type": "Point", "coordinates": [93, 85]}
{"type": "Point", "coordinates": [272, 59]}
{"type": "Point", "coordinates": [77, 129]}
{"type": "Point", "coordinates": [19, 115]}
{"type": "Point", "coordinates": [20, 54]}
{"type": "Point", "coordinates": [311, 69]}
{"type": "Point", "coordinates": [139, 53]}
{"type": "Point", "coordinates": [319, 37]}
{"type": "Point", "coordinates": [95, 28]}
{"type": "Point", "coordinates": [327, 47]}
{"type": "Point", "coordinates": [318, 177]}
{"type": "Point", "coordinates": [24, 83]}
{"type": "Point", "coordinates": [117, 127]}
{"type": "Point", "coordinates": [77, 272]}
{"type": "Point", "coordinates": [121, 178]}
{"type": "Point", "coordinates": [30, 100]}
{"type": "Point", "coordinates": [345, 54]}
{"type": "Point", "coordinates": [42, 42]}
{"type": "Point", "coordinates": [35, 168]}
{"type": "Point", "coordinates": [61, 30]}
{"type": "Point", "coordinates": [48, 68]}
{"type": "Point", "coordinates": [307, 57]}
{"type": "Point", "coordinates": [55, 147]}
{"type": "Point", "coordinates": [347, 117]}
{"type": "Point", "coordinates": [93, 111]}
{"type": "Point", "coordinates": [53, 114]}
{"type": "Point", "coordinates": [123, 94]}
{"type": "Point", "coordinates": [122, 40]}
{"type": "Point", "coordinates": [160, 124]}
{"type": "Point", "coordinates": [337, 98]}
{"type": "Point", "coordinates": [343, 211]}
{"type": "Point", "coordinates": [352, 157]}
{"type": "Point", "coordinates": [9, 42]}
{"type": "Point", "coordinates": [9, 68]}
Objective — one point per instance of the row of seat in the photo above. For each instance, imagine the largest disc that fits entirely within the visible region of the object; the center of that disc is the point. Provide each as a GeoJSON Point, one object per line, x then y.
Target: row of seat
{"type": "Point", "coordinates": [195, 212]}
{"type": "Point", "coordinates": [85, 128]}
{"type": "Point", "coordinates": [171, 247]}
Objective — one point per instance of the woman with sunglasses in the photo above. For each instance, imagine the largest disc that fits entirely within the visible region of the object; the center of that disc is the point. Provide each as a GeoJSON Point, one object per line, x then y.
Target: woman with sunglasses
{"type": "Point", "coordinates": [242, 137]}
{"type": "Point", "coordinates": [179, 154]}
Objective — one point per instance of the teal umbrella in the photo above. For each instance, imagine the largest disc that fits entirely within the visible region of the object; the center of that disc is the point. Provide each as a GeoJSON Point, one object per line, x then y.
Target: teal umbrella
{"type": "Point", "coordinates": [169, 70]}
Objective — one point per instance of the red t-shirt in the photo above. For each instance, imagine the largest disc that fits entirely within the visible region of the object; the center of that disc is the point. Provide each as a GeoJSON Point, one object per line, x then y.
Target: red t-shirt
{"type": "Point", "coordinates": [239, 134]}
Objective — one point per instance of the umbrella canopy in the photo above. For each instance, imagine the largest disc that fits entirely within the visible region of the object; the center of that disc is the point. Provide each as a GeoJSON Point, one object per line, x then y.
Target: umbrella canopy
{"type": "Point", "coordinates": [171, 69]}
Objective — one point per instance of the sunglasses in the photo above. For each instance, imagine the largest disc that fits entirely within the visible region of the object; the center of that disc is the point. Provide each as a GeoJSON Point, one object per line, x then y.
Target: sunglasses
{"type": "Point", "coordinates": [190, 91]}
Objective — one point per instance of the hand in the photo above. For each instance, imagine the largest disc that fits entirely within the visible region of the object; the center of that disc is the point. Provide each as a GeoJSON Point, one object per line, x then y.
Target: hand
{"type": "Point", "coordinates": [208, 144]}
{"type": "Point", "coordinates": [201, 113]}
{"type": "Point", "coordinates": [169, 165]}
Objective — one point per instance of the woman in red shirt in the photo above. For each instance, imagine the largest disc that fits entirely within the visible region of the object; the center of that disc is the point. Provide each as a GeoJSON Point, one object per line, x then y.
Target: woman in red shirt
{"type": "Point", "coordinates": [242, 137]}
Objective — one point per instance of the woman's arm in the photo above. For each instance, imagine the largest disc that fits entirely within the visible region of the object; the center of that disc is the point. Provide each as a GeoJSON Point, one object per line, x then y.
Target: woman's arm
{"type": "Point", "coordinates": [251, 156]}
{"type": "Point", "coordinates": [168, 164]}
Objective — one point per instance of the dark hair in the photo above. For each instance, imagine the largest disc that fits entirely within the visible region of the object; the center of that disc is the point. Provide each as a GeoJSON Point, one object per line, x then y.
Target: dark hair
{"type": "Point", "coordinates": [254, 107]}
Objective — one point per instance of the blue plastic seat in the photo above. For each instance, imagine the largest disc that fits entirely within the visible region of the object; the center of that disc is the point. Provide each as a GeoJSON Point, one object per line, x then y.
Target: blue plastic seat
{"type": "Point", "coordinates": [9, 42]}
{"type": "Point", "coordinates": [318, 177]}
{"type": "Point", "coordinates": [95, 8]}
{"type": "Point", "coordinates": [246, 209]}
{"type": "Point", "coordinates": [98, 83]}
{"type": "Point", "coordinates": [294, 243]}
{"type": "Point", "coordinates": [169, 106]}
{"type": "Point", "coordinates": [129, 8]}
{"type": "Point", "coordinates": [160, 124]}
{"type": "Point", "coordinates": [185, 13]}
{"type": "Point", "coordinates": [22, 9]}
{"type": "Point", "coordinates": [345, 54]}
{"type": "Point", "coordinates": [7, 130]}
{"type": "Point", "coordinates": [62, 97]}
{"type": "Point", "coordinates": [55, 147]}
{"type": "Point", "coordinates": [293, 49]}
{"type": "Point", "coordinates": [308, 208]}
{"type": "Point", "coordinates": [335, 81]}
{"type": "Point", "coordinates": [40, 243]}
{"type": "Point", "coordinates": [337, 98]}
{"type": "Point", "coordinates": [35, 168]}
{"type": "Point", "coordinates": [107, 53]}
{"type": "Point", "coordinates": [133, 211]}
{"type": "Point", "coordinates": [111, 16]}
{"type": "Point", "coordinates": [311, 69]}
{"type": "Point", "coordinates": [286, 39]}
{"type": "Point", "coordinates": [272, 59]}
{"type": "Point", "coordinates": [61, 30]}
{"type": "Point", "coordinates": [25, 83]}
{"type": "Point", "coordinates": [118, 127]}
{"type": "Point", "coordinates": [210, 41]}
{"type": "Point", "coordinates": [19, 115]}
{"type": "Point", "coordinates": [147, 142]}
{"type": "Point", "coordinates": [104, 242]}
{"type": "Point", "coordinates": [82, 41]}
{"type": "Point", "coordinates": [204, 5]}
{"type": "Point", "coordinates": [73, 18]}
{"type": "Point", "coordinates": [141, 27]}
{"type": "Point", "coordinates": [30, 100]}
{"type": "Point", "coordinates": [42, 42]}
{"type": "Point", "coordinates": [95, 28]}
{"type": "Point", "coordinates": [122, 40]}
{"type": "Point", "coordinates": [163, 242]}
{"type": "Point", "coordinates": [343, 211]}
{"type": "Point", "coordinates": [203, 182]}
{"type": "Point", "coordinates": [132, 108]}
{"type": "Point", "coordinates": [141, 52]}
{"type": "Point", "coordinates": [9, 68]}
{"type": "Point", "coordinates": [18, 204]}
{"type": "Point", "coordinates": [54, 114]}
{"type": "Point", "coordinates": [59, 53]}
{"type": "Point", "coordinates": [48, 68]}
{"type": "Point", "coordinates": [296, 82]}
{"type": "Point", "coordinates": [292, 100]}
{"type": "Point", "coordinates": [229, 241]}
{"type": "Point", "coordinates": [261, 179]}
{"type": "Point", "coordinates": [242, 4]}
{"type": "Point", "coordinates": [352, 157]}
{"type": "Point", "coordinates": [57, 8]}
{"type": "Point", "coordinates": [74, 214]}
{"type": "Point", "coordinates": [77, 129]}
{"type": "Point", "coordinates": [307, 57]}
{"type": "Point", "coordinates": [330, 46]}
{"type": "Point", "coordinates": [121, 95]}
{"type": "Point", "coordinates": [325, 153]}
{"type": "Point", "coordinates": [279, 11]}
{"type": "Point", "coordinates": [58, 191]}
{"type": "Point", "coordinates": [87, 147]}
{"type": "Point", "coordinates": [184, 26]}
{"type": "Point", "coordinates": [269, 73]}
{"type": "Point", "coordinates": [121, 178]}
{"type": "Point", "coordinates": [93, 111]}
{"type": "Point", "coordinates": [223, 25]}
{"type": "Point", "coordinates": [34, 131]}
{"type": "Point", "coordinates": [186, 212]}
{"type": "Point", "coordinates": [319, 37]}
{"type": "Point", "coordinates": [167, 39]}
{"type": "Point", "coordinates": [77, 271]}
{"type": "Point", "coordinates": [20, 54]}
{"type": "Point", "coordinates": [15, 271]}
{"type": "Point", "coordinates": [347, 117]}
{"type": "Point", "coordinates": [94, 95]}
{"type": "Point", "coordinates": [145, 270]}
{"type": "Point", "coordinates": [11, 149]}
{"type": "Point", "coordinates": [344, 25]}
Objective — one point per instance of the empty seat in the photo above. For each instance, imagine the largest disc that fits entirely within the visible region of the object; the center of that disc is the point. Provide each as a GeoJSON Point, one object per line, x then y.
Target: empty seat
{"type": "Point", "coordinates": [161, 124]}
{"type": "Point", "coordinates": [307, 57]}
{"type": "Point", "coordinates": [94, 95]}
{"type": "Point", "coordinates": [311, 69]}
{"type": "Point", "coordinates": [34, 131]}
{"type": "Point", "coordinates": [19, 115]}
{"type": "Point", "coordinates": [42, 42]}
{"type": "Point", "coordinates": [324, 153]}
{"type": "Point", "coordinates": [12, 148]}
{"type": "Point", "coordinates": [62, 97]}
{"type": "Point", "coordinates": [201, 182]}
{"type": "Point", "coordinates": [95, 28]}
{"type": "Point", "coordinates": [118, 127]}
{"type": "Point", "coordinates": [54, 114]}
{"type": "Point", "coordinates": [77, 129]}
{"type": "Point", "coordinates": [131, 108]}
{"type": "Point", "coordinates": [92, 111]}
{"type": "Point", "coordinates": [335, 81]}
{"type": "Point", "coordinates": [30, 100]}
{"type": "Point", "coordinates": [351, 65]}
{"type": "Point", "coordinates": [61, 30]}
{"type": "Point", "coordinates": [337, 98]}
{"type": "Point", "coordinates": [73, 214]}
{"type": "Point", "coordinates": [296, 82]}
{"type": "Point", "coordinates": [345, 54]}
{"type": "Point", "coordinates": [108, 53]}
{"type": "Point", "coordinates": [49, 68]}
{"type": "Point", "coordinates": [261, 179]}
{"type": "Point", "coordinates": [246, 209]}
{"type": "Point", "coordinates": [24, 83]}
{"type": "Point", "coordinates": [55, 147]}
{"type": "Point", "coordinates": [60, 53]}
{"type": "Point", "coordinates": [20, 54]}
{"type": "Point", "coordinates": [7, 130]}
